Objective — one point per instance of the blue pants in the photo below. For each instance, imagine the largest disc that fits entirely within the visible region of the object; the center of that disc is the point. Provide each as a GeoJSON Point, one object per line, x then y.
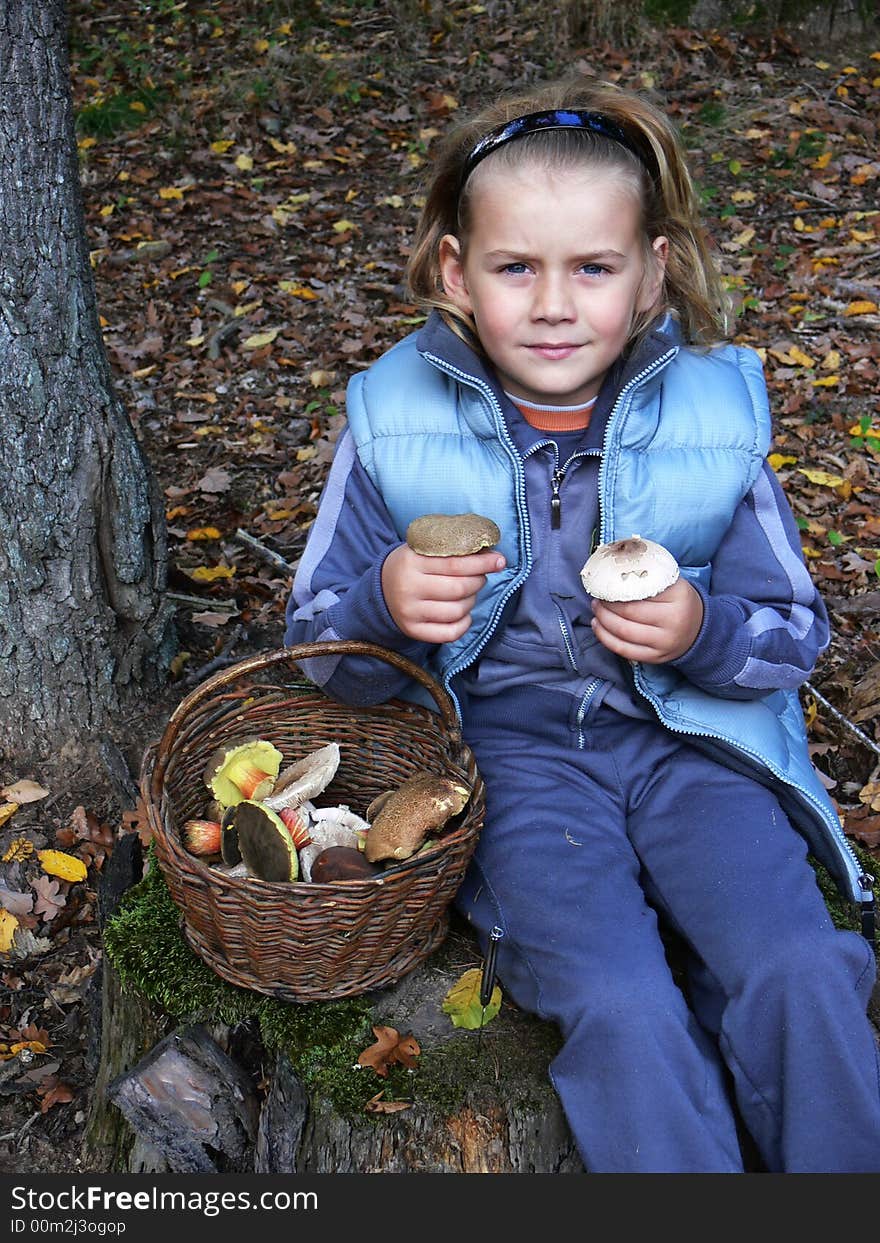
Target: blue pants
{"type": "Point", "coordinates": [592, 828]}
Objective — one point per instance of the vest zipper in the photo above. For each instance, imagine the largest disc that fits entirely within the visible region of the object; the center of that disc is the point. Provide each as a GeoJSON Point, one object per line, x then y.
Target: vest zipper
{"type": "Point", "coordinates": [522, 511]}
{"type": "Point", "coordinates": [607, 527]}
{"type": "Point", "coordinates": [555, 502]}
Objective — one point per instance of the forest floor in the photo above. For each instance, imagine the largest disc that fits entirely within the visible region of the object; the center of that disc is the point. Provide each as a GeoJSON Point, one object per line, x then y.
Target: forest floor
{"type": "Point", "coordinates": [251, 175]}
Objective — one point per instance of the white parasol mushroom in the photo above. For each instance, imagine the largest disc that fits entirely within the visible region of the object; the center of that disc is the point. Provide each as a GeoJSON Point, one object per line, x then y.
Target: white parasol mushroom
{"type": "Point", "coordinates": [629, 569]}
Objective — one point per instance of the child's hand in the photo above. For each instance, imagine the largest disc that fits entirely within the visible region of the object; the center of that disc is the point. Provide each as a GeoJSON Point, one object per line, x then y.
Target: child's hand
{"type": "Point", "coordinates": [430, 598]}
{"type": "Point", "coordinates": [652, 631]}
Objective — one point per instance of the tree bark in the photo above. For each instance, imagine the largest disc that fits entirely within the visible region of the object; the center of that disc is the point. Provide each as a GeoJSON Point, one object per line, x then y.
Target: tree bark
{"type": "Point", "coordinates": [83, 626]}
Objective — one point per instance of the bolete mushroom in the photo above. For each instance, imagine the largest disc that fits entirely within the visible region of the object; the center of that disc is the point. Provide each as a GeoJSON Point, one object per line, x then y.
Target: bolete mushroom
{"type": "Point", "coordinates": [629, 569]}
{"type": "Point", "coordinates": [416, 808]}
{"type": "Point", "coordinates": [342, 863]}
{"type": "Point", "coordinates": [244, 771]}
{"type": "Point", "coordinates": [265, 843]}
{"type": "Point", "coordinates": [451, 535]}
{"type": "Point", "coordinates": [229, 838]}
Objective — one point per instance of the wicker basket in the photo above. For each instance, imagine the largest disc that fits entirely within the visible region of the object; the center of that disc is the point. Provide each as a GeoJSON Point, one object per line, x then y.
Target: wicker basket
{"type": "Point", "coordinates": [312, 942]}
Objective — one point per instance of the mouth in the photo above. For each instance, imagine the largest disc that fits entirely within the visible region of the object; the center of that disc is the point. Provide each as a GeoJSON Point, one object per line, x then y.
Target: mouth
{"type": "Point", "coordinates": [547, 349]}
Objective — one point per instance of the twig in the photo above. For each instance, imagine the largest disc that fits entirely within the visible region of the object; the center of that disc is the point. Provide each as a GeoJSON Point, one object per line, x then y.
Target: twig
{"type": "Point", "coordinates": [201, 602]}
{"type": "Point", "coordinates": [267, 554]}
{"type": "Point", "coordinates": [860, 734]}
{"type": "Point", "coordinates": [224, 657]}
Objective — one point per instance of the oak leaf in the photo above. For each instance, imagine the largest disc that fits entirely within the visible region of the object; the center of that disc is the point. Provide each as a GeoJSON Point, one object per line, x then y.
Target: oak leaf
{"type": "Point", "coordinates": [375, 1105]}
{"type": "Point", "coordinates": [390, 1047]}
{"type": "Point", "coordinates": [50, 899]}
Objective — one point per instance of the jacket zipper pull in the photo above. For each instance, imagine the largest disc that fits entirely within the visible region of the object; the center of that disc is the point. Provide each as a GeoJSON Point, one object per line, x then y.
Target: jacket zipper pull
{"type": "Point", "coordinates": [866, 882]}
{"type": "Point", "coordinates": [555, 501]}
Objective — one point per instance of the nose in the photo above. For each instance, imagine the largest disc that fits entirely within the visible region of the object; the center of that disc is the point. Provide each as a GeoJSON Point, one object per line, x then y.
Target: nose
{"type": "Point", "coordinates": [553, 300]}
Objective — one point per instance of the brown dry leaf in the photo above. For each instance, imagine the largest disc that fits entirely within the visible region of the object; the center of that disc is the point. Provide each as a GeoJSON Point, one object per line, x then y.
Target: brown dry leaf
{"type": "Point", "coordinates": [54, 1092]}
{"type": "Point", "coordinates": [390, 1047]}
{"type": "Point", "coordinates": [24, 792]}
{"type": "Point", "coordinates": [864, 827]}
{"type": "Point", "coordinates": [32, 1032]}
{"type": "Point", "coordinates": [136, 820]}
{"type": "Point", "coordinates": [16, 902]}
{"type": "Point", "coordinates": [50, 899]}
{"type": "Point", "coordinates": [375, 1105]}
{"type": "Point", "coordinates": [870, 795]}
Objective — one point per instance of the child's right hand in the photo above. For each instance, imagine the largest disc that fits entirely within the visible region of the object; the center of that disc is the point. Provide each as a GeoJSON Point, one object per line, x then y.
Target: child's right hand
{"type": "Point", "coordinates": [430, 598]}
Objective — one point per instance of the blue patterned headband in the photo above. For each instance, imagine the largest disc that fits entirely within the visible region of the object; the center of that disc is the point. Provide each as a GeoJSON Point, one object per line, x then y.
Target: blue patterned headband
{"type": "Point", "coordinates": [562, 118]}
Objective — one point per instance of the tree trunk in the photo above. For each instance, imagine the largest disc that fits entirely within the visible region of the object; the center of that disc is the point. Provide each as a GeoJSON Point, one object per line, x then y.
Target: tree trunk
{"type": "Point", "coordinates": [83, 627]}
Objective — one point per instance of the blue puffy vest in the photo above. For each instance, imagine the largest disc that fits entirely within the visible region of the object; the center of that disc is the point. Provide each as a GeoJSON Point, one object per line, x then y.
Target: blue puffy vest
{"type": "Point", "coordinates": [433, 440]}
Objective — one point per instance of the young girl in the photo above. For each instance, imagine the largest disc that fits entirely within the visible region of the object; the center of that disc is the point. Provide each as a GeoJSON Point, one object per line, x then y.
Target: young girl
{"type": "Point", "coordinates": [642, 758]}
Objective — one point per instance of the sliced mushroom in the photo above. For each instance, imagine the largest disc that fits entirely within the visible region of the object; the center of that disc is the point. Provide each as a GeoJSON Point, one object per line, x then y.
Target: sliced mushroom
{"type": "Point", "coordinates": [265, 844]}
{"type": "Point", "coordinates": [451, 535]}
{"type": "Point", "coordinates": [243, 771]}
{"type": "Point", "coordinates": [418, 807]}
{"type": "Point", "coordinates": [629, 569]}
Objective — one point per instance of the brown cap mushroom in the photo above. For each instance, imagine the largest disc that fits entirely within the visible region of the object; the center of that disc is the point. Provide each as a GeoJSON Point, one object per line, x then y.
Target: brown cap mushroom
{"type": "Point", "coordinates": [265, 844]}
{"type": "Point", "coordinates": [422, 804]}
{"type": "Point", "coordinates": [451, 535]}
{"type": "Point", "coordinates": [245, 770]}
{"type": "Point", "coordinates": [342, 863]}
{"type": "Point", "coordinates": [629, 569]}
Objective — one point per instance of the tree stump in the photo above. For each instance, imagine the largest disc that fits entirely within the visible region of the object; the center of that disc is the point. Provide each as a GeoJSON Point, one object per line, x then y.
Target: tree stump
{"type": "Point", "coordinates": [477, 1101]}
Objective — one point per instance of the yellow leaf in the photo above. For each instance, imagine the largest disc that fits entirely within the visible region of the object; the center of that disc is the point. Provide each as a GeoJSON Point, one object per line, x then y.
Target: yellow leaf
{"type": "Point", "coordinates": [823, 161]}
{"type": "Point", "coordinates": [7, 811]}
{"type": "Point", "coordinates": [831, 361]}
{"type": "Point", "coordinates": [283, 148]}
{"type": "Point", "coordinates": [260, 339]}
{"type": "Point", "coordinates": [810, 712]}
{"type": "Point", "coordinates": [344, 226]}
{"type": "Point", "coordinates": [178, 663]}
{"type": "Point", "coordinates": [18, 850]}
{"type": "Point", "coordinates": [827, 382]}
{"type": "Point", "coordinates": [822, 64]}
{"type": "Point", "coordinates": [246, 308]}
{"type": "Point", "coordinates": [462, 1002]}
{"type": "Point", "coordinates": [35, 1046]}
{"type": "Point", "coordinates": [137, 105]}
{"type": "Point", "coordinates": [222, 145]}
{"type": "Point", "coordinates": [209, 573]}
{"type": "Point", "coordinates": [777, 460]}
{"type": "Point", "coordinates": [799, 226]}
{"type": "Point", "coordinates": [8, 925]}
{"type": "Point", "coordinates": [743, 196]}
{"type": "Point", "coordinates": [821, 477]}
{"type": "Point", "coordinates": [297, 291]}
{"type": "Point", "coordinates": [862, 307]}
{"type": "Point", "coordinates": [303, 455]}
{"type": "Point", "coordinates": [802, 359]}
{"type": "Point", "coordinates": [66, 867]}
{"type": "Point", "coordinates": [85, 143]}
{"type": "Point", "coordinates": [810, 552]}
{"type": "Point", "coordinates": [320, 379]}
{"type": "Point", "coordinates": [863, 235]}
{"type": "Point", "coordinates": [199, 533]}
{"type": "Point", "coordinates": [244, 162]}
{"type": "Point", "coordinates": [194, 341]}
{"type": "Point", "coordinates": [108, 210]}
{"type": "Point", "coordinates": [170, 192]}
{"type": "Point", "coordinates": [261, 46]}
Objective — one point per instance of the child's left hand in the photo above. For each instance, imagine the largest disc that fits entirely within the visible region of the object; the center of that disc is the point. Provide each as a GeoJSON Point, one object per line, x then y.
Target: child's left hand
{"type": "Point", "coordinates": [651, 631]}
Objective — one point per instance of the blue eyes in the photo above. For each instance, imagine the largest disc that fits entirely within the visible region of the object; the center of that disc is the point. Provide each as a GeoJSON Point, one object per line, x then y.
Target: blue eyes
{"type": "Point", "coordinates": [520, 269]}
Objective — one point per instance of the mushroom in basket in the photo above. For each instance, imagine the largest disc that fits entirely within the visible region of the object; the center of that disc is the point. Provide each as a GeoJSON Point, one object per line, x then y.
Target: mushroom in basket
{"type": "Point", "coordinates": [402, 819]}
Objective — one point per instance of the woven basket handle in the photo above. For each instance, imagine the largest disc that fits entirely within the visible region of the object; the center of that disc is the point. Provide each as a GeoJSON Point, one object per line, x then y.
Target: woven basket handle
{"type": "Point", "coordinates": [290, 655]}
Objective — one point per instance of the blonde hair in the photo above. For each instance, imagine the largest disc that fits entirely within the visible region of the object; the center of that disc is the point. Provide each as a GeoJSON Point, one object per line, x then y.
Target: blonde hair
{"type": "Point", "coordinates": [692, 287]}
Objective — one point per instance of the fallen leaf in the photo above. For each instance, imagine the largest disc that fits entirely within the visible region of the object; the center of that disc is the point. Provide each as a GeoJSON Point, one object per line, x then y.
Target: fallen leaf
{"type": "Point", "coordinates": [462, 1002]}
{"type": "Point", "coordinates": [260, 339]}
{"type": "Point", "coordinates": [215, 479]}
{"type": "Point", "coordinates": [50, 899]}
{"type": "Point", "coordinates": [15, 902]}
{"type": "Point", "coordinates": [821, 477]}
{"type": "Point", "coordinates": [67, 867]}
{"type": "Point", "coordinates": [18, 850]}
{"type": "Point", "coordinates": [54, 1092]}
{"type": "Point", "coordinates": [870, 795]}
{"type": "Point", "coordinates": [8, 925]}
{"type": "Point", "coordinates": [7, 810]}
{"type": "Point", "coordinates": [390, 1047]}
{"type": "Point", "coordinates": [210, 573]}
{"type": "Point", "coordinates": [861, 307]}
{"type": "Point", "coordinates": [375, 1105]}
{"type": "Point", "coordinates": [24, 792]}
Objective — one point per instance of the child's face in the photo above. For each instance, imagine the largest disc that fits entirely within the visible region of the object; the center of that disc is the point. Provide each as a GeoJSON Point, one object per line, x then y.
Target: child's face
{"type": "Point", "coordinates": [553, 275]}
